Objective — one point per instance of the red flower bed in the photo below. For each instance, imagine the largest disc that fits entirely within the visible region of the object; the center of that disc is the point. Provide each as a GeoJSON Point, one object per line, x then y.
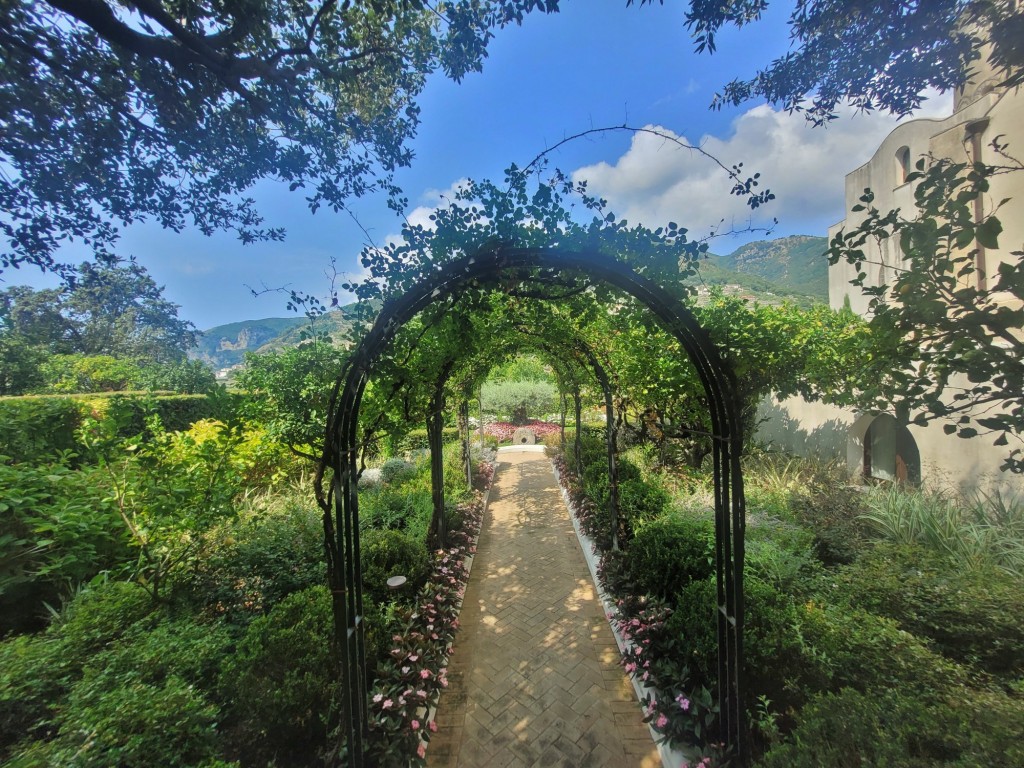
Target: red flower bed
{"type": "Point", "coordinates": [503, 430]}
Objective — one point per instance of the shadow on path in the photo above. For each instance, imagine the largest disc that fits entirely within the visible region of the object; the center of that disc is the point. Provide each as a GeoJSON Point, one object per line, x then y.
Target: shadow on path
{"type": "Point", "coordinates": [534, 679]}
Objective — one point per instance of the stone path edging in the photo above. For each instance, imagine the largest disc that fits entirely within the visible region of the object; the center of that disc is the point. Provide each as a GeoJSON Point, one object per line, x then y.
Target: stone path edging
{"type": "Point", "coordinates": [671, 757]}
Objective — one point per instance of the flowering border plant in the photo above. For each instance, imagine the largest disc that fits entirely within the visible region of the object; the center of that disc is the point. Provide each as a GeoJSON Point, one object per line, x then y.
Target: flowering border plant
{"type": "Point", "coordinates": [503, 430]}
{"type": "Point", "coordinates": [682, 712]}
{"type": "Point", "coordinates": [411, 677]}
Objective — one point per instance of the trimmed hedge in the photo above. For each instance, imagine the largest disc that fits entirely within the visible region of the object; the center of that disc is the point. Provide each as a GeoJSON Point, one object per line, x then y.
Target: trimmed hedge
{"type": "Point", "coordinates": [416, 439]}
{"type": "Point", "coordinates": [971, 617]}
{"type": "Point", "coordinates": [37, 428]}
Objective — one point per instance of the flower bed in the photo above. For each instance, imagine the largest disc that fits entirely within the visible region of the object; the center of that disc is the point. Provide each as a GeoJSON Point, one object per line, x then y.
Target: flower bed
{"type": "Point", "coordinates": [503, 430]}
{"type": "Point", "coordinates": [680, 717]}
{"type": "Point", "coordinates": [411, 678]}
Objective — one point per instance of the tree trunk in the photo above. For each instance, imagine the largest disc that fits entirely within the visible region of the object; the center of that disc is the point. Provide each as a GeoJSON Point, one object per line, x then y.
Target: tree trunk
{"type": "Point", "coordinates": [579, 430]}
{"type": "Point", "coordinates": [611, 436]}
{"type": "Point", "coordinates": [561, 440]}
{"type": "Point", "coordinates": [438, 535]}
{"type": "Point", "coordinates": [467, 454]}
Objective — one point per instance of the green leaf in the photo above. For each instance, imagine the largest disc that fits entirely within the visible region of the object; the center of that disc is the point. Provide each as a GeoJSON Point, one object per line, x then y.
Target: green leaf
{"type": "Point", "coordinates": [988, 232]}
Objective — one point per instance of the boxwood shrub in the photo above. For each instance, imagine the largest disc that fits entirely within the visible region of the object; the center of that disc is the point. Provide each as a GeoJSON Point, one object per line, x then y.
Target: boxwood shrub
{"type": "Point", "coordinates": [974, 617]}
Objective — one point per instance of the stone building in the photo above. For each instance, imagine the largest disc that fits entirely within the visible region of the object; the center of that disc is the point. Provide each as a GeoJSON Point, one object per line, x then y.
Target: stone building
{"type": "Point", "coordinates": [877, 444]}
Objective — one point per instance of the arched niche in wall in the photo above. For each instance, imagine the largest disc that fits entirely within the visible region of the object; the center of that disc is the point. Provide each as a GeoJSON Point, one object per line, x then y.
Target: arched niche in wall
{"type": "Point", "coordinates": [880, 448]}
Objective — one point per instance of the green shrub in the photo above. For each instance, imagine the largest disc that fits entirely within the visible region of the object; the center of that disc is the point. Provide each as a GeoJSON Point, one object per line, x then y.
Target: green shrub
{"type": "Point", "coordinates": [416, 440]}
{"type": "Point", "coordinates": [394, 471]}
{"type": "Point", "coordinates": [974, 617]}
{"type": "Point", "coordinates": [134, 725]}
{"type": "Point", "coordinates": [851, 647]}
{"type": "Point", "coordinates": [76, 373]}
{"type": "Point", "coordinates": [407, 508]}
{"type": "Point", "coordinates": [280, 682]}
{"type": "Point", "coordinates": [100, 614]}
{"type": "Point", "coordinates": [141, 700]}
{"type": "Point", "coordinates": [57, 530]}
{"type": "Point", "coordinates": [670, 552]}
{"type": "Point", "coordinates": [640, 500]}
{"type": "Point", "coordinates": [456, 484]}
{"type": "Point", "coordinates": [852, 729]}
{"type": "Point", "coordinates": [179, 646]}
{"type": "Point", "coordinates": [36, 672]}
{"type": "Point", "coordinates": [184, 376]}
{"type": "Point", "coordinates": [177, 412]}
{"type": "Point", "coordinates": [693, 626]}
{"type": "Point", "coordinates": [34, 675]}
{"type": "Point", "coordinates": [774, 657]}
{"type": "Point", "coordinates": [387, 553]}
{"type": "Point", "coordinates": [832, 511]}
{"type": "Point", "coordinates": [781, 554]}
{"type": "Point", "coordinates": [517, 401]}
{"type": "Point", "coordinates": [36, 430]}
{"type": "Point", "coordinates": [255, 561]}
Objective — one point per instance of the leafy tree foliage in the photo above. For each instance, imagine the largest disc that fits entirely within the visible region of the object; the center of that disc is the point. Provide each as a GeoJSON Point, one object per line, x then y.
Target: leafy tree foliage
{"type": "Point", "coordinates": [115, 113]}
{"type": "Point", "coordinates": [518, 400]}
{"type": "Point", "coordinates": [289, 392]}
{"type": "Point", "coordinates": [110, 329]}
{"type": "Point", "coordinates": [69, 374]}
{"type": "Point", "coordinates": [781, 350]}
{"type": "Point", "coordinates": [881, 55]}
{"type": "Point", "coordinates": [947, 340]}
{"type": "Point", "coordinates": [20, 366]}
{"type": "Point", "coordinates": [113, 308]}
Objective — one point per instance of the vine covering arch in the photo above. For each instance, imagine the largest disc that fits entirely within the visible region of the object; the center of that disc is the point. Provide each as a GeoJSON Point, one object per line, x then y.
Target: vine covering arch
{"type": "Point", "coordinates": [486, 267]}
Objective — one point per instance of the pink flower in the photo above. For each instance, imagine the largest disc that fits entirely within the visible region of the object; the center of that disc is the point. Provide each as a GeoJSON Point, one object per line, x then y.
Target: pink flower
{"type": "Point", "coordinates": [415, 725]}
{"type": "Point", "coordinates": [661, 722]}
{"type": "Point", "coordinates": [432, 726]}
{"type": "Point", "coordinates": [388, 703]}
{"type": "Point", "coordinates": [421, 750]}
{"type": "Point", "coordinates": [683, 702]}
{"type": "Point", "coordinates": [378, 698]}
{"type": "Point", "coordinates": [425, 673]}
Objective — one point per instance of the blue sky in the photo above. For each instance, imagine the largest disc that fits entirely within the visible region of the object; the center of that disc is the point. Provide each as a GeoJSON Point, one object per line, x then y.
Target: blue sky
{"type": "Point", "coordinates": [595, 64]}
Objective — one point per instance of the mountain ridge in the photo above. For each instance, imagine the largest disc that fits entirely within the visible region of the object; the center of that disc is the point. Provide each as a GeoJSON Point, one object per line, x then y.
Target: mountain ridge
{"type": "Point", "coordinates": [789, 268]}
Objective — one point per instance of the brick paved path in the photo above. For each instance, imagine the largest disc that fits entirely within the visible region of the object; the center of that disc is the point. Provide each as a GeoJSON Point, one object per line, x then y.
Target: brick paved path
{"type": "Point", "coordinates": [533, 679]}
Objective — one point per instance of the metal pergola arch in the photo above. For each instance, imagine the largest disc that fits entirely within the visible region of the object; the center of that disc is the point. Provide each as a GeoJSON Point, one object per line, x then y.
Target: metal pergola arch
{"type": "Point", "coordinates": [482, 268]}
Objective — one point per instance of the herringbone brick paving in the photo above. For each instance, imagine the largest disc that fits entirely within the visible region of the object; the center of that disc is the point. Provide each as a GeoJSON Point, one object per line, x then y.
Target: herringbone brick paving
{"type": "Point", "coordinates": [533, 678]}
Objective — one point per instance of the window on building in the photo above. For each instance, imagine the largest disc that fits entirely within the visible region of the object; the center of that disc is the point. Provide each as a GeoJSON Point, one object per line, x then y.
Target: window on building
{"type": "Point", "coordinates": [903, 167]}
{"type": "Point", "coordinates": [973, 138]}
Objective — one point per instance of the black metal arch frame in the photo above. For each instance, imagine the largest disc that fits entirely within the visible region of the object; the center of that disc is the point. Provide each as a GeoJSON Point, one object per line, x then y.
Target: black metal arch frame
{"type": "Point", "coordinates": [484, 268]}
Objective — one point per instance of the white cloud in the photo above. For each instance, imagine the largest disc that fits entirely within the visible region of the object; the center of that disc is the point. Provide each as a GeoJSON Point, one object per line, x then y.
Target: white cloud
{"type": "Point", "coordinates": [434, 200]}
{"type": "Point", "coordinates": [657, 181]}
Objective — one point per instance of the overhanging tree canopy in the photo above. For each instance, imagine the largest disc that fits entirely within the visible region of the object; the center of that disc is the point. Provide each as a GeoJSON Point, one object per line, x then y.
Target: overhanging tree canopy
{"type": "Point", "coordinates": [113, 113]}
